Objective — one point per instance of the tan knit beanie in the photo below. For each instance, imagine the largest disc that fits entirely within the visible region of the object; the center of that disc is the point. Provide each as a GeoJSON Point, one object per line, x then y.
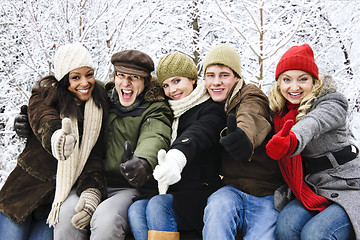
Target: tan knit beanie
{"type": "Point", "coordinates": [225, 55]}
{"type": "Point", "coordinates": [69, 57]}
{"type": "Point", "coordinates": [176, 64]}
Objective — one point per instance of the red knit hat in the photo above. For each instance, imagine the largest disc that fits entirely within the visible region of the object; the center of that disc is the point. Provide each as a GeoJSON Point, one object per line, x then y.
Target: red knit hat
{"type": "Point", "coordinates": [298, 58]}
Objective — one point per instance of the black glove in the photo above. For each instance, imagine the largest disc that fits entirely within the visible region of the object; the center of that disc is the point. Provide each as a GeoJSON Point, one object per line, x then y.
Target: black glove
{"type": "Point", "coordinates": [21, 123]}
{"type": "Point", "coordinates": [236, 143]}
{"type": "Point", "coordinates": [136, 170]}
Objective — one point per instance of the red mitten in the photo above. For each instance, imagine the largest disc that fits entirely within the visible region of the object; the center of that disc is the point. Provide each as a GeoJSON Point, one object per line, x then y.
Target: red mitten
{"type": "Point", "coordinates": [282, 143]}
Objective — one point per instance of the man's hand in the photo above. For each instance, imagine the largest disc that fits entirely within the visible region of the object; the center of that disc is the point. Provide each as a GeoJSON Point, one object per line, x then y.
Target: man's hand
{"type": "Point", "coordinates": [136, 170]}
{"type": "Point", "coordinates": [236, 142]}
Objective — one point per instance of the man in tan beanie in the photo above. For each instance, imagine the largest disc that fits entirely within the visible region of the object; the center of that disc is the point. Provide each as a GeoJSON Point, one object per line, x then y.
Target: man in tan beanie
{"type": "Point", "coordinates": [245, 205]}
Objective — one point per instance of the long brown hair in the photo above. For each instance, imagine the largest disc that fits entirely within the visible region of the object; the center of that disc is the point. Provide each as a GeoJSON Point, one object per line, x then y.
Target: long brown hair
{"type": "Point", "coordinates": [57, 95]}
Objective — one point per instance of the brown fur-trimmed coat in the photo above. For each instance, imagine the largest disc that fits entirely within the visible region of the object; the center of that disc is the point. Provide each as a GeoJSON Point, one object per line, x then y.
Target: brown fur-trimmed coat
{"type": "Point", "coordinates": [30, 187]}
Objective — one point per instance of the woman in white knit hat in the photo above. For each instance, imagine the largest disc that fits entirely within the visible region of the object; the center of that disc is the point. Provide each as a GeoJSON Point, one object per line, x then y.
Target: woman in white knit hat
{"type": "Point", "coordinates": [189, 171]}
{"type": "Point", "coordinates": [139, 117]}
{"type": "Point", "coordinates": [62, 156]}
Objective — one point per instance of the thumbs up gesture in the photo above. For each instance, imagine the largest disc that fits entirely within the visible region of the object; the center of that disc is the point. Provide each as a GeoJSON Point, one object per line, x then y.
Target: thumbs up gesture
{"type": "Point", "coordinates": [283, 143]}
{"type": "Point", "coordinates": [135, 170]}
{"type": "Point", "coordinates": [168, 172]}
{"type": "Point", "coordinates": [161, 160]}
{"type": "Point", "coordinates": [236, 142]}
{"type": "Point", "coordinates": [63, 141]}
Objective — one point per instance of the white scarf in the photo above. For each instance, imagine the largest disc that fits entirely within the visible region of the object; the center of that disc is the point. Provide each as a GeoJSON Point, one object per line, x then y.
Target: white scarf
{"type": "Point", "coordinates": [196, 97]}
{"type": "Point", "coordinates": [69, 170]}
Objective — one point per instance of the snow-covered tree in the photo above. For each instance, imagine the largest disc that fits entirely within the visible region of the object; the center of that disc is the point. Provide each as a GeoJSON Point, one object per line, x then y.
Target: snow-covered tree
{"type": "Point", "coordinates": [32, 30]}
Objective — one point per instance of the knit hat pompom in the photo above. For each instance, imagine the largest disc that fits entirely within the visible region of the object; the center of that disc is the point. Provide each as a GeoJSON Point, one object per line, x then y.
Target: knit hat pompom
{"type": "Point", "coordinates": [224, 55]}
{"type": "Point", "coordinates": [69, 57]}
{"type": "Point", "coordinates": [176, 64]}
{"type": "Point", "coordinates": [298, 58]}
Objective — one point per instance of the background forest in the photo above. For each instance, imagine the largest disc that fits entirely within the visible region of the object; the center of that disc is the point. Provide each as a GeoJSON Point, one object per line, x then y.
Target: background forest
{"type": "Point", "coordinates": [261, 31]}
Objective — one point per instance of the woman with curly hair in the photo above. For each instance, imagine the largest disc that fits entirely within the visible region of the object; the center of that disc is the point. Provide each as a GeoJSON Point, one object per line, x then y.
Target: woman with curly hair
{"type": "Point", "coordinates": [314, 151]}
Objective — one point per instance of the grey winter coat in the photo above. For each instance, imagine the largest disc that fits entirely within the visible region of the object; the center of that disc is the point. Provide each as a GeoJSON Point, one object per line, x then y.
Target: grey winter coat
{"type": "Point", "coordinates": [321, 132]}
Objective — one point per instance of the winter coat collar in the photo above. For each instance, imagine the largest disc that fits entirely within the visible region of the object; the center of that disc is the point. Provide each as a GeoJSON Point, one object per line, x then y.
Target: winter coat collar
{"type": "Point", "coordinates": [329, 85]}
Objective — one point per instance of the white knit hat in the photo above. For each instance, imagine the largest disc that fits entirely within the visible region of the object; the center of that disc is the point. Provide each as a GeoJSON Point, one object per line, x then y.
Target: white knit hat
{"type": "Point", "coordinates": [70, 57]}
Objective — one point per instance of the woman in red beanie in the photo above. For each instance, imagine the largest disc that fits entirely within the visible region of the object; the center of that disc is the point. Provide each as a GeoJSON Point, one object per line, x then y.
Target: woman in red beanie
{"type": "Point", "coordinates": [314, 151]}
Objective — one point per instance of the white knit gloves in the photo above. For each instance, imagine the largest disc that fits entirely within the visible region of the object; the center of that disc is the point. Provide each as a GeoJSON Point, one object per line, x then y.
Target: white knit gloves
{"type": "Point", "coordinates": [169, 170]}
{"type": "Point", "coordinates": [88, 202]}
{"type": "Point", "coordinates": [63, 141]}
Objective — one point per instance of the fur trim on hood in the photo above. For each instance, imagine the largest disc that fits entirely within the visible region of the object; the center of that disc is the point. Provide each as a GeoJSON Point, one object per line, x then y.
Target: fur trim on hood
{"type": "Point", "coordinates": [329, 85]}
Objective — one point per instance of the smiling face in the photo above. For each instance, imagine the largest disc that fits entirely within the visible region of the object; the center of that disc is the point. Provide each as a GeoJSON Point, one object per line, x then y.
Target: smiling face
{"type": "Point", "coordinates": [219, 81]}
{"type": "Point", "coordinates": [177, 88]}
{"type": "Point", "coordinates": [295, 85]}
{"type": "Point", "coordinates": [82, 82]}
{"type": "Point", "coordinates": [128, 87]}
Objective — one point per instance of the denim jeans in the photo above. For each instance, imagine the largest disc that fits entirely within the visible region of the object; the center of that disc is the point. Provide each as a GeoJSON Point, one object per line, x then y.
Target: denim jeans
{"type": "Point", "coordinates": [297, 222]}
{"type": "Point", "coordinates": [30, 229]}
{"type": "Point", "coordinates": [155, 214]}
{"type": "Point", "coordinates": [230, 210]}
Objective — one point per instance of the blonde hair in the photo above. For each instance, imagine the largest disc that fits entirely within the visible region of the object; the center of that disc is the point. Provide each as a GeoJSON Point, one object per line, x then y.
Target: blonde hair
{"type": "Point", "coordinates": [277, 100]}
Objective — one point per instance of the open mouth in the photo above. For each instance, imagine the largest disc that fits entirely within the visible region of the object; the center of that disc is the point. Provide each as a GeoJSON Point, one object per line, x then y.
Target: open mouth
{"type": "Point", "coordinates": [126, 94]}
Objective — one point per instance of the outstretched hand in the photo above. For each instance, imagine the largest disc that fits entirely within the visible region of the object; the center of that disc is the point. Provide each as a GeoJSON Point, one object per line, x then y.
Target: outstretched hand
{"type": "Point", "coordinates": [171, 164]}
{"type": "Point", "coordinates": [63, 141]}
{"type": "Point", "coordinates": [283, 143]}
{"type": "Point", "coordinates": [21, 123]}
{"type": "Point", "coordinates": [162, 187]}
{"type": "Point", "coordinates": [135, 170]}
{"type": "Point", "coordinates": [236, 142]}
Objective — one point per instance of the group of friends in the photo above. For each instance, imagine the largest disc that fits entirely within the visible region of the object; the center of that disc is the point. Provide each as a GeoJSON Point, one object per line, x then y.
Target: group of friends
{"type": "Point", "coordinates": [157, 154]}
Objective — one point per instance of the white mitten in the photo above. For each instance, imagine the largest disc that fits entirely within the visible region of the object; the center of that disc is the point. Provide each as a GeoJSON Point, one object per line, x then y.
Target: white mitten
{"type": "Point", "coordinates": [88, 202]}
{"type": "Point", "coordinates": [161, 159]}
{"type": "Point", "coordinates": [169, 170]}
{"type": "Point", "coordinates": [63, 141]}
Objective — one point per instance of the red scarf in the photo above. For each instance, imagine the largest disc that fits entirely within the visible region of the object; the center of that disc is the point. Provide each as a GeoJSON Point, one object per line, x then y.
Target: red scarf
{"type": "Point", "coordinates": [292, 170]}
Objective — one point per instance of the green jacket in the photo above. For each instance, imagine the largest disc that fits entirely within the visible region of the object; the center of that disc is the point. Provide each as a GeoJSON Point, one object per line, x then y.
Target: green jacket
{"type": "Point", "coordinates": [147, 128]}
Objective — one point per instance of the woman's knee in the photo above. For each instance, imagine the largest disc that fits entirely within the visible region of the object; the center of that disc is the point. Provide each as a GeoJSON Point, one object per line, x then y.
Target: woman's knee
{"type": "Point", "coordinates": [332, 223]}
{"type": "Point", "coordinates": [285, 230]}
{"type": "Point", "coordinates": [291, 220]}
{"type": "Point", "coordinates": [159, 203]}
{"type": "Point", "coordinates": [137, 209]}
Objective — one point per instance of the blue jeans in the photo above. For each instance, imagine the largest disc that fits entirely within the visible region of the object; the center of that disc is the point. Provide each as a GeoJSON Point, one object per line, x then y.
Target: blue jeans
{"type": "Point", "coordinates": [230, 210]}
{"type": "Point", "coordinates": [155, 214]}
{"type": "Point", "coordinates": [30, 229]}
{"type": "Point", "coordinates": [297, 222]}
